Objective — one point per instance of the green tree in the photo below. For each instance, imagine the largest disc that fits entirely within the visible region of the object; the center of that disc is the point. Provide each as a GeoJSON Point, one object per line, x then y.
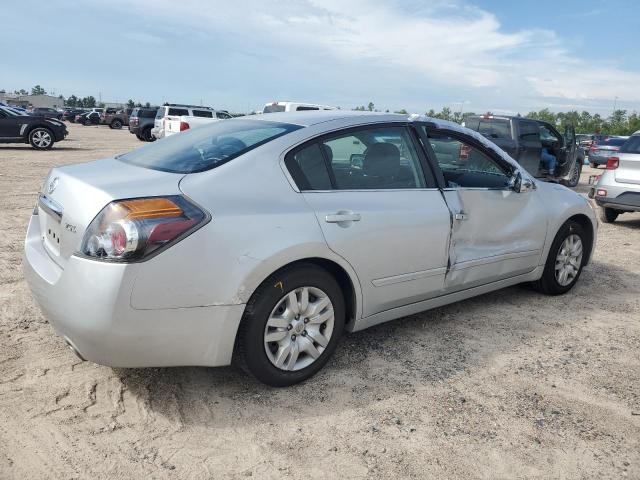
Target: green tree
{"type": "Point", "coordinates": [147, 105]}
{"type": "Point", "coordinates": [72, 101]}
{"type": "Point", "coordinates": [38, 90]}
{"type": "Point", "coordinates": [401, 112]}
{"type": "Point", "coordinates": [89, 102]}
{"type": "Point", "coordinates": [22, 91]}
{"type": "Point", "coordinates": [131, 103]}
{"type": "Point", "coordinates": [370, 107]}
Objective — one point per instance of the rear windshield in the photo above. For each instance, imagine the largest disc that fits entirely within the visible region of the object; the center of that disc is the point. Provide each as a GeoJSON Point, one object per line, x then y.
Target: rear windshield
{"type": "Point", "coordinates": [206, 147]}
{"type": "Point", "coordinates": [632, 145]}
{"type": "Point", "coordinates": [148, 113]}
{"type": "Point", "coordinates": [614, 142]}
{"type": "Point", "coordinates": [273, 108]}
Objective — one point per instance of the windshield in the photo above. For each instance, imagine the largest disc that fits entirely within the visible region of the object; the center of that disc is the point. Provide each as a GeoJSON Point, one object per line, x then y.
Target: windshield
{"type": "Point", "coordinates": [12, 112]}
{"type": "Point", "coordinates": [206, 147]}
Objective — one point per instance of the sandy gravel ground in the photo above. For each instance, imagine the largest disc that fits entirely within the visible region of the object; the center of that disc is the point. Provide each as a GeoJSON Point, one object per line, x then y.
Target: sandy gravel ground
{"type": "Point", "coordinates": [509, 385]}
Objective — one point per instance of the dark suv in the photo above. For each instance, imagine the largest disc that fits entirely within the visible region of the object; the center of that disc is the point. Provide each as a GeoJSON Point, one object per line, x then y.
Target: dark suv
{"type": "Point", "coordinates": [141, 122]}
{"type": "Point", "coordinates": [47, 112]}
{"type": "Point", "coordinates": [39, 131]}
{"type": "Point", "coordinates": [524, 140]}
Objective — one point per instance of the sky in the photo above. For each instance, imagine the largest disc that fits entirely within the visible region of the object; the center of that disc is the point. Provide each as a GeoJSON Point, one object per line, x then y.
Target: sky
{"type": "Point", "coordinates": [502, 56]}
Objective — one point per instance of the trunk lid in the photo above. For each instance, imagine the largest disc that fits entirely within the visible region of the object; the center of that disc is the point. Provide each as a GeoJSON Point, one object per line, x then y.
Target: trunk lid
{"type": "Point", "coordinates": [628, 170]}
{"type": "Point", "coordinates": [73, 195]}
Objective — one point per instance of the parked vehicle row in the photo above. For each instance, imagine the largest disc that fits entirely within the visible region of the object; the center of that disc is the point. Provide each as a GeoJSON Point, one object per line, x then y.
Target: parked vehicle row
{"type": "Point", "coordinates": [601, 150]}
{"type": "Point", "coordinates": [192, 273]}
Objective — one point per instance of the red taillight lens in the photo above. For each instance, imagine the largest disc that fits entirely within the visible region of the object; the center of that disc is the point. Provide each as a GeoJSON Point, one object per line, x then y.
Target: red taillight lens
{"type": "Point", "coordinates": [130, 230]}
{"type": "Point", "coordinates": [184, 126]}
{"type": "Point", "coordinates": [593, 148]}
{"type": "Point", "coordinates": [601, 192]}
{"type": "Point", "coordinates": [612, 163]}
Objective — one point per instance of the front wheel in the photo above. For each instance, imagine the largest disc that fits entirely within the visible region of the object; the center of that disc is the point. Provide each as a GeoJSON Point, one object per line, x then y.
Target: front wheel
{"type": "Point", "coordinates": [291, 325]}
{"type": "Point", "coordinates": [41, 138]}
{"type": "Point", "coordinates": [575, 175]}
{"type": "Point", "coordinates": [565, 260]}
{"type": "Point", "coordinates": [116, 124]}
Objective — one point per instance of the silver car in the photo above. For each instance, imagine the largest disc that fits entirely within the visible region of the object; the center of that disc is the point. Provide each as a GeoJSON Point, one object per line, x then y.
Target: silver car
{"type": "Point", "coordinates": [261, 240]}
{"type": "Point", "coordinates": [618, 189]}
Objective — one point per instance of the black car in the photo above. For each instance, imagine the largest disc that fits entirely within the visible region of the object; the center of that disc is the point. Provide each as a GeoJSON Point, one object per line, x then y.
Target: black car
{"type": "Point", "coordinates": [69, 114]}
{"type": "Point", "coordinates": [39, 131]}
{"type": "Point", "coordinates": [525, 140]}
{"type": "Point", "coordinates": [46, 112]}
{"type": "Point", "coordinates": [88, 118]}
{"type": "Point", "coordinates": [141, 122]}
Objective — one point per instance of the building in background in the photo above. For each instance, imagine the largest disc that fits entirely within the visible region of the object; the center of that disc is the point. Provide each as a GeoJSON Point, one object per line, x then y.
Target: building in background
{"type": "Point", "coordinates": [35, 101]}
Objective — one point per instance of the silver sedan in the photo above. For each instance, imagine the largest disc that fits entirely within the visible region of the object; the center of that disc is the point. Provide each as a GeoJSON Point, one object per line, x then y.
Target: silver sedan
{"type": "Point", "coordinates": [262, 240]}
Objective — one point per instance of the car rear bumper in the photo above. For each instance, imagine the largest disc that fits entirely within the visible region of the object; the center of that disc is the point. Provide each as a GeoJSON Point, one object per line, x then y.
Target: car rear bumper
{"type": "Point", "coordinates": [89, 305]}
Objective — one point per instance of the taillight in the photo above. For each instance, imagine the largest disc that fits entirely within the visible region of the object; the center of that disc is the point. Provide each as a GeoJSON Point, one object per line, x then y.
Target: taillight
{"type": "Point", "coordinates": [130, 230]}
{"type": "Point", "coordinates": [593, 147]}
{"type": "Point", "coordinates": [601, 192]}
{"type": "Point", "coordinates": [612, 163]}
{"type": "Point", "coordinates": [184, 126]}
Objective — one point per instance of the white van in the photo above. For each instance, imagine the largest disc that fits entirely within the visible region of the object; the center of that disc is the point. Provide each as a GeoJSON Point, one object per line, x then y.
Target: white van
{"type": "Point", "coordinates": [174, 111]}
{"type": "Point", "coordinates": [293, 107]}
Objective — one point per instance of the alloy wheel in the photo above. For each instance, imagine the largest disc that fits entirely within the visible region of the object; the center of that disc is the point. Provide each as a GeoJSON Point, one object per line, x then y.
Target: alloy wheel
{"type": "Point", "coordinates": [299, 328]}
{"type": "Point", "coordinates": [42, 138]}
{"type": "Point", "coordinates": [568, 260]}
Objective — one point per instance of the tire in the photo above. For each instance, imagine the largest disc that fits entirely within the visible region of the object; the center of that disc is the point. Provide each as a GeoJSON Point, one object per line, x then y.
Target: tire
{"type": "Point", "coordinates": [116, 124]}
{"type": "Point", "coordinates": [139, 137]}
{"type": "Point", "coordinates": [549, 283]}
{"type": "Point", "coordinates": [146, 135]}
{"type": "Point", "coordinates": [608, 215]}
{"type": "Point", "coordinates": [576, 171]}
{"type": "Point", "coordinates": [41, 138]}
{"type": "Point", "coordinates": [271, 312]}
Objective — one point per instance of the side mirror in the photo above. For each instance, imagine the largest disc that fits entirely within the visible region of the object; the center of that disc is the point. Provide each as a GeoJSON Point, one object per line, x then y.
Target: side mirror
{"type": "Point", "coordinates": [357, 160]}
{"type": "Point", "coordinates": [521, 185]}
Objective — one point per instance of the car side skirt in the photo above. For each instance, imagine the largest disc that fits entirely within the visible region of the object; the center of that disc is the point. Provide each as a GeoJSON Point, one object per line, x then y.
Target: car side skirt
{"type": "Point", "coordinates": [418, 307]}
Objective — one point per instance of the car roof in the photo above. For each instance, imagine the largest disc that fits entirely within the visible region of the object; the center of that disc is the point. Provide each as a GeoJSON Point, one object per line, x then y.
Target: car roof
{"type": "Point", "coordinates": [306, 118]}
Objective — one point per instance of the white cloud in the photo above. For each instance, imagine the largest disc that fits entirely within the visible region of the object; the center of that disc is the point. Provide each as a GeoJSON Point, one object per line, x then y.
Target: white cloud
{"type": "Point", "coordinates": [448, 44]}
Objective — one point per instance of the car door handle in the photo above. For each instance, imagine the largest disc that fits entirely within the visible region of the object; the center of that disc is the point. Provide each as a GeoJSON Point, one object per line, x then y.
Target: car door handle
{"type": "Point", "coordinates": [461, 216]}
{"type": "Point", "coordinates": [342, 217]}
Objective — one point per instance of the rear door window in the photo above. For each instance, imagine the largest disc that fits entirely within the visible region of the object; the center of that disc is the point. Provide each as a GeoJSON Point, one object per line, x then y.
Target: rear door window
{"type": "Point", "coordinates": [373, 158]}
{"type": "Point", "coordinates": [303, 108]}
{"type": "Point", "coordinates": [223, 115]}
{"type": "Point", "coordinates": [494, 128]}
{"type": "Point", "coordinates": [203, 113]}
{"type": "Point", "coordinates": [178, 111]}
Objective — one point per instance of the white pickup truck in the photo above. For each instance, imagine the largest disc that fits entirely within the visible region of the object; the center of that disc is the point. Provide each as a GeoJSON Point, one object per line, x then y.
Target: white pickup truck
{"type": "Point", "coordinates": [172, 119]}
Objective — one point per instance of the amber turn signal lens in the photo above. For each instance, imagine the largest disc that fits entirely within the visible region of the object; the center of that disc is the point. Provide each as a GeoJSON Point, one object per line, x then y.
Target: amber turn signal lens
{"type": "Point", "coordinates": [147, 208]}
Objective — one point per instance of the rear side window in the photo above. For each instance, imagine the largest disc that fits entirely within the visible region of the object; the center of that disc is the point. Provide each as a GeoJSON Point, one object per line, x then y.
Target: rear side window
{"type": "Point", "coordinates": [223, 115]}
{"type": "Point", "coordinates": [632, 145]}
{"type": "Point", "coordinates": [308, 169]}
{"type": "Point", "coordinates": [273, 108]}
{"type": "Point", "coordinates": [494, 128]}
{"type": "Point", "coordinates": [614, 142]}
{"type": "Point", "coordinates": [303, 108]}
{"type": "Point", "coordinates": [135, 112]}
{"type": "Point", "coordinates": [203, 113]}
{"type": "Point", "coordinates": [529, 132]}
{"type": "Point", "coordinates": [206, 147]}
{"type": "Point", "coordinates": [178, 111]}
{"type": "Point", "coordinates": [160, 112]}
{"type": "Point", "coordinates": [149, 113]}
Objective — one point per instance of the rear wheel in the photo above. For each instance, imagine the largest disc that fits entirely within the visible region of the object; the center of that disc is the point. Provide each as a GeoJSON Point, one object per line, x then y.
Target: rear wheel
{"type": "Point", "coordinates": [291, 326]}
{"type": "Point", "coordinates": [565, 260]}
{"type": "Point", "coordinates": [41, 138]}
{"type": "Point", "coordinates": [608, 215]}
{"type": "Point", "coordinates": [146, 135]}
{"type": "Point", "coordinates": [116, 124]}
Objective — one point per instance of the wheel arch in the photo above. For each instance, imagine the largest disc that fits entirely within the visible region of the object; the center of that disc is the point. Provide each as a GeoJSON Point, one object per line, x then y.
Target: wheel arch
{"type": "Point", "coordinates": [340, 270]}
{"type": "Point", "coordinates": [585, 222]}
